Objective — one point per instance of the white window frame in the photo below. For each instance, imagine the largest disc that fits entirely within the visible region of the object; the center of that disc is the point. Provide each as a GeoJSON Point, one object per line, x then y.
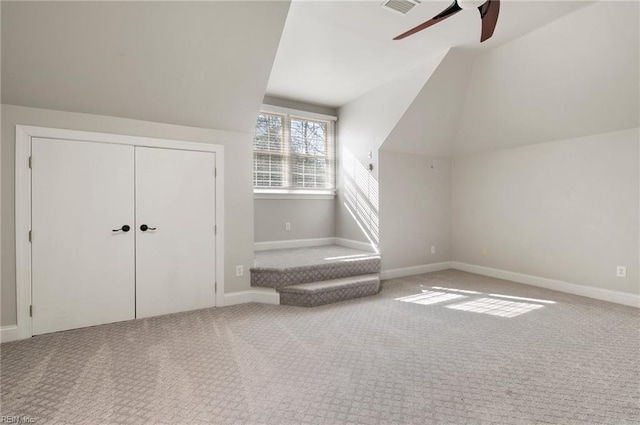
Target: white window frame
{"type": "Point", "coordinates": [286, 193]}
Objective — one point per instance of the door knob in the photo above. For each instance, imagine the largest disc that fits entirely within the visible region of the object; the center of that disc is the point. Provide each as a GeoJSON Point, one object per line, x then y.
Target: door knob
{"type": "Point", "coordinates": [144, 228]}
{"type": "Point", "coordinates": [124, 228]}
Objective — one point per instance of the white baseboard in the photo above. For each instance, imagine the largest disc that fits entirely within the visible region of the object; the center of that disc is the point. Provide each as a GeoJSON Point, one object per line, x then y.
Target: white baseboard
{"type": "Point", "coordinates": [8, 333]}
{"type": "Point", "coordinates": [294, 243]}
{"type": "Point", "coordinates": [256, 295]}
{"type": "Point", "coordinates": [349, 243]}
{"type": "Point", "coordinates": [556, 285]}
{"type": "Point", "coordinates": [414, 270]}
{"type": "Point", "coordinates": [265, 296]}
{"type": "Point", "coordinates": [304, 243]}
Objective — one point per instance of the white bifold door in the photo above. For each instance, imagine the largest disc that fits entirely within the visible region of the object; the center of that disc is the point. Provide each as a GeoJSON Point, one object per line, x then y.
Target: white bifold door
{"type": "Point", "coordinates": [119, 232]}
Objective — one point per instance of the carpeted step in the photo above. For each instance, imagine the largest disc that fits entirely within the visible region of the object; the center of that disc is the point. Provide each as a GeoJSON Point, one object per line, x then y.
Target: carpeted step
{"type": "Point", "coordinates": [279, 277]}
{"type": "Point", "coordinates": [330, 291]}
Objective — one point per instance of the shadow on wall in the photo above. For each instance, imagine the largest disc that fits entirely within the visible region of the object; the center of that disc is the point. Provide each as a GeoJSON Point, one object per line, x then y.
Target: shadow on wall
{"type": "Point", "coordinates": [361, 197]}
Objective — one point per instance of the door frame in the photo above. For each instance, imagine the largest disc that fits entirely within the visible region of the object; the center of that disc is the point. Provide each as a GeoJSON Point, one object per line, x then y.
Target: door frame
{"type": "Point", "coordinates": [23, 203]}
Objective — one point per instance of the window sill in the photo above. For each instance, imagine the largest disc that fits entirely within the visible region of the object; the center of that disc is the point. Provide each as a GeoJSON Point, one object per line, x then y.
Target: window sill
{"type": "Point", "coordinates": [293, 194]}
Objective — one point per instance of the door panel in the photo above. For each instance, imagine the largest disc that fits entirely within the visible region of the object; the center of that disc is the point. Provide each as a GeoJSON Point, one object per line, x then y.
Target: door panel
{"type": "Point", "coordinates": [175, 263]}
{"type": "Point", "coordinates": [83, 272]}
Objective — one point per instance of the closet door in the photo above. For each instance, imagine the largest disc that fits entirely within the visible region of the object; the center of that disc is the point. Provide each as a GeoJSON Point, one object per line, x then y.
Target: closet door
{"type": "Point", "coordinates": [175, 219]}
{"type": "Point", "coordinates": [82, 265]}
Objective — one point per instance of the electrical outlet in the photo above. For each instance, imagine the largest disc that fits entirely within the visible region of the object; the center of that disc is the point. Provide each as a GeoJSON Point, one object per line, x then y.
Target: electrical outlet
{"type": "Point", "coordinates": [433, 249]}
{"type": "Point", "coordinates": [621, 271]}
{"type": "Point", "coordinates": [239, 271]}
{"type": "Point", "coordinates": [287, 226]}
{"type": "Point", "coordinates": [485, 252]}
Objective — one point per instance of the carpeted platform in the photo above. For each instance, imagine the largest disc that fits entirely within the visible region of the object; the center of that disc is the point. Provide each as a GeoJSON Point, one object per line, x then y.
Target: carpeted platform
{"type": "Point", "coordinates": [311, 256]}
{"type": "Point", "coordinates": [309, 277]}
{"type": "Point", "coordinates": [441, 348]}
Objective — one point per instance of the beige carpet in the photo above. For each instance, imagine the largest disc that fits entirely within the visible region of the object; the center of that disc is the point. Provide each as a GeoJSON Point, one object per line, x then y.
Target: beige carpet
{"type": "Point", "coordinates": [413, 354]}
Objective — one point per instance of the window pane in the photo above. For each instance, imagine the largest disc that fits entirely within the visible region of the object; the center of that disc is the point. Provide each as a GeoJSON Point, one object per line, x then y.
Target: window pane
{"type": "Point", "coordinates": [309, 173]}
{"type": "Point", "coordinates": [268, 170]}
{"type": "Point", "coordinates": [268, 135]}
{"type": "Point", "coordinates": [308, 137]}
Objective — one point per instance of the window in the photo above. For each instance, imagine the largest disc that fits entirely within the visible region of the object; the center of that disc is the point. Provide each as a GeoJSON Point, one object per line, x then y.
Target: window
{"type": "Point", "coordinates": [293, 153]}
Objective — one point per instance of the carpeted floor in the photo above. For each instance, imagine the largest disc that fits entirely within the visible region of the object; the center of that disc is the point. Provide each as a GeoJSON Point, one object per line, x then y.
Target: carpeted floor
{"type": "Point", "coordinates": [413, 354]}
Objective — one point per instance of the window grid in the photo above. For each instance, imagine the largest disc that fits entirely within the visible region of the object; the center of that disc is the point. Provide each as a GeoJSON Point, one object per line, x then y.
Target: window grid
{"type": "Point", "coordinates": [293, 152]}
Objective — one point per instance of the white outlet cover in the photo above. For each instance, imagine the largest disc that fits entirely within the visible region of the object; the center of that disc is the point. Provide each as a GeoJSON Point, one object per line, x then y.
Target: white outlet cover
{"type": "Point", "coordinates": [239, 270]}
{"type": "Point", "coordinates": [621, 271]}
{"type": "Point", "coordinates": [433, 249]}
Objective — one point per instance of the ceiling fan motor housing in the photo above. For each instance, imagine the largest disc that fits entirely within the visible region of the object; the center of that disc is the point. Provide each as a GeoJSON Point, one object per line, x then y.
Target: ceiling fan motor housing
{"type": "Point", "coordinates": [471, 4]}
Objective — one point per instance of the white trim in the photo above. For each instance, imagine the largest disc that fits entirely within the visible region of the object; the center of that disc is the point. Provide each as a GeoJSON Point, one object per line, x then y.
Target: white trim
{"type": "Point", "coordinates": [23, 225]}
{"type": "Point", "coordinates": [293, 243]}
{"type": "Point", "coordinates": [297, 113]}
{"type": "Point", "coordinates": [362, 246]}
{"type": "Point", "coordinates": [240, 297]}
{"type": "Point", "coordinates": [624, 298]}
{"type": "Point", "coordinates": [256, 295]}
{"type": "Point", "coordinates": [414, 270]}
{"type": "Point", "coordinates": [289, 195]}
{"type": "Point", "coordinates": [8, 333]}
{"type": "Point", "coordinates": [220, 232]}
{"type": "Point", "coordinates": [265, 296]}
{"type": "Point", "coordinates": [119, 139]}
{"type": "Point", "coordinates": [23, 203]}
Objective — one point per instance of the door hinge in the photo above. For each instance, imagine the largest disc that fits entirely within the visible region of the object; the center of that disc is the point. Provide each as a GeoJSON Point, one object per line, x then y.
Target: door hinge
{"type": "Point", "coordinates": [31, 311]}
{"type": "Point", "coordinates": [30, 235]}
{"type": "Point", "coordinates": [216, 287]}
{"type": "Point", "coordinates": [30, 162]}
{"type": "Point", "coordinates": [215, 229]}
{"type": "Point", "coordinates": [215, 172]}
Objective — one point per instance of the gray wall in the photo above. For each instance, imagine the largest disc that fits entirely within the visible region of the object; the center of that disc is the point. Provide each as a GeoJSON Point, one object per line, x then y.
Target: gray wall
{"type": "Point", "coordinates": [238, 184]}
{"type": "Point", "coordinates": [566, 210]}
{"type": "Point", "coordinates": [415, 209]}
{"type": "Point", "coordinates": [309, 218]}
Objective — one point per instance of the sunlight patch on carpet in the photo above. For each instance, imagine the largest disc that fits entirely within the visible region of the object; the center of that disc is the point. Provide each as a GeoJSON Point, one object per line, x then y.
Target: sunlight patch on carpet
{"type": "Point", "coordinates": [429, 297]}
{"type": "Point", "coordinates": [494, 307]}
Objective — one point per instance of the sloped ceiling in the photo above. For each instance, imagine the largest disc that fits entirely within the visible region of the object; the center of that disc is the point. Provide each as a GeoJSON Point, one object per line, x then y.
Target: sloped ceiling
{"type": "Point", "coordinates": [332, 52]}
{"type": "Point", "coordinates": [430, 124]}
{"type": "Point", "coordinates": [366, 123]}
{"type": "Point", "coordinates": [577, 76]}
{"type": "Point", "coordinates": [203, 64]}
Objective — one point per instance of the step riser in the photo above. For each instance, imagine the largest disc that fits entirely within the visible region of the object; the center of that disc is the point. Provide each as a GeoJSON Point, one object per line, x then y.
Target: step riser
{"type": "Point", "coordinates": [329, 297]}
{"type": "Point", "coordinates": [269, 278]}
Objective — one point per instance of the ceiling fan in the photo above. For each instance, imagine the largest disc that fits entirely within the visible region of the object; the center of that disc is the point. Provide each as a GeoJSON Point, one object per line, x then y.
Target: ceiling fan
{"type": "Point", "coordinates": [488, 13]}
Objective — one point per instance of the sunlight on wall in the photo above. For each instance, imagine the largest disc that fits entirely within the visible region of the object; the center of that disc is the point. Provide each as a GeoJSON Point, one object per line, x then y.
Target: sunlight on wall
{"type": "Point", "coordinates": [361, 196]}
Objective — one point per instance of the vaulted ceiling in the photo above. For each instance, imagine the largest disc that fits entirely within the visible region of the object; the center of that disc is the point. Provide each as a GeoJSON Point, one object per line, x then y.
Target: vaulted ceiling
{"type": "Point", "coordinates": [332, 52]}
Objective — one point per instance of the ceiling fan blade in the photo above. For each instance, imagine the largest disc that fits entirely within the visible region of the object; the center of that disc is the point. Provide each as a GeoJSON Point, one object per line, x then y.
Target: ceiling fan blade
{"type": "Point", "coordinates": [489, 14]}
{"type": "Point", "coordinates": [449, 11]}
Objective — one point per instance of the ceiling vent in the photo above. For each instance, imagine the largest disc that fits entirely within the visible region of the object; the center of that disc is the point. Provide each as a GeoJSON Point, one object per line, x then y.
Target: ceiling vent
{"type": "Point", "coordinates": [400, 6]}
